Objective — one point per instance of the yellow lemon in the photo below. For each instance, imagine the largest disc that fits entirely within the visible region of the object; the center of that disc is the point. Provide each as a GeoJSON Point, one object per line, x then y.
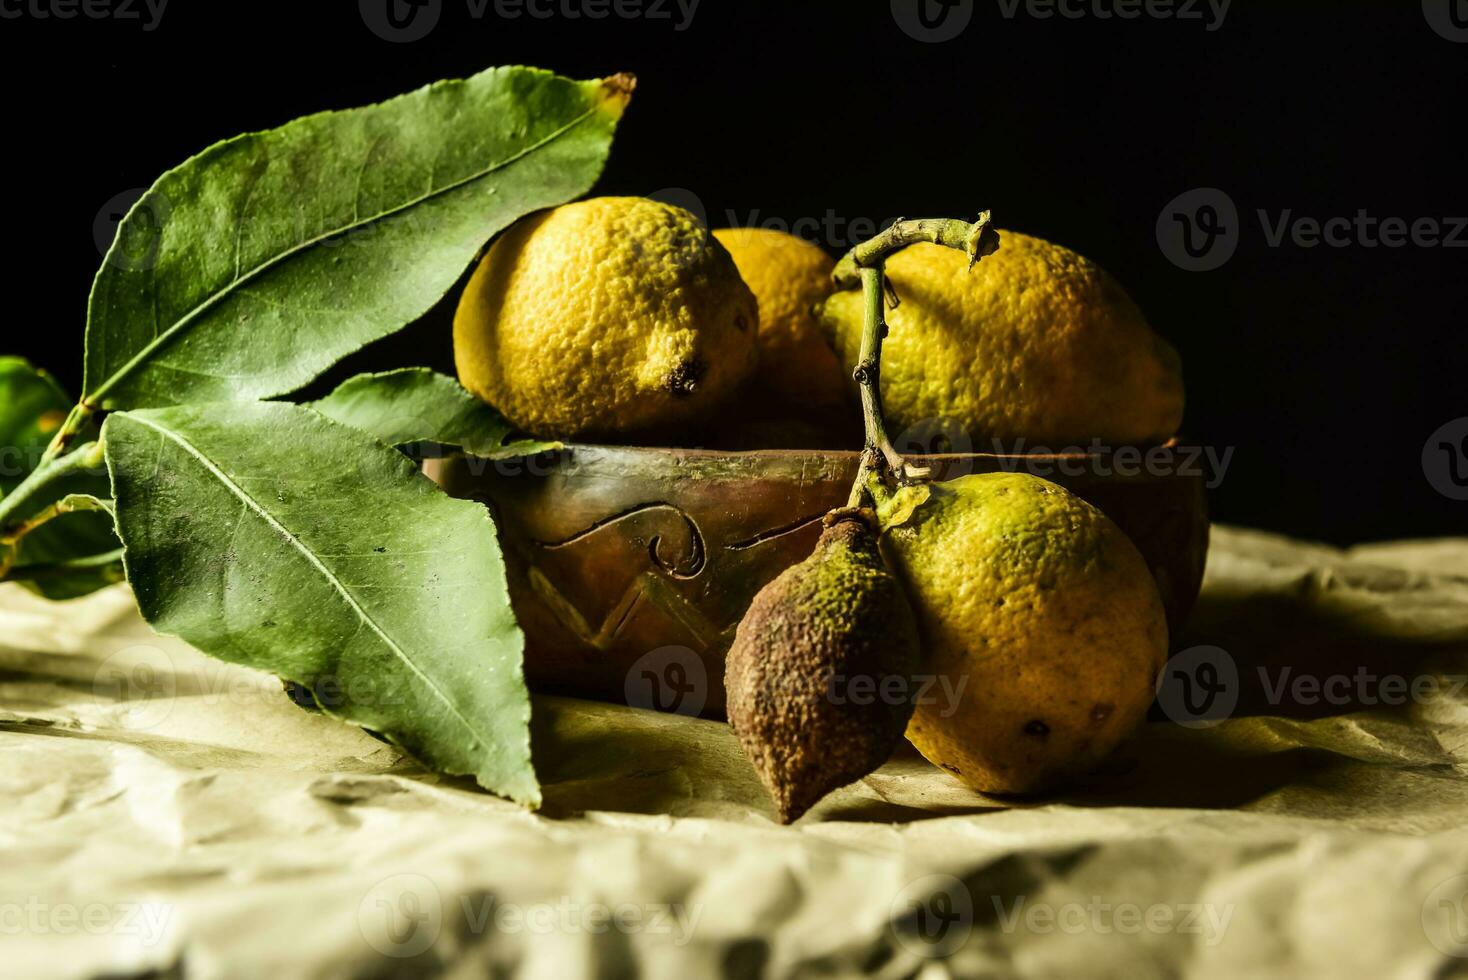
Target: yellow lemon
{"type": "Point", "coordinates": [1034, 342]}
{"type": "Point", "coordinates": [799, 394]}
{"type": "Point", "coordinates": [615, 318]}
{"type": "Point", "coordinates": [1041, 622]}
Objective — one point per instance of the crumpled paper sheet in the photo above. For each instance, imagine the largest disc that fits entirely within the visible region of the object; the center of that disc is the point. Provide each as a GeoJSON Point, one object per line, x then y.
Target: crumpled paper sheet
{"type": "Point", "coordinates": [164, 813]}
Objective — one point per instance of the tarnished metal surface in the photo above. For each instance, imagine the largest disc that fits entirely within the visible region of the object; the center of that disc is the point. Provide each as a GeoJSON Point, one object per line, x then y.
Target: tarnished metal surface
{"type": "Point", "coordinates": [616, 553]}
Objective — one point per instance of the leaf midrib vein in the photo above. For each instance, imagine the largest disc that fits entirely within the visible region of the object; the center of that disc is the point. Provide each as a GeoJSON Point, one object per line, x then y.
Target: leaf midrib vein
{"type": "Point", "coordinates": [250, 502]}
{"type": "Point", "coordinates": [93, 399]}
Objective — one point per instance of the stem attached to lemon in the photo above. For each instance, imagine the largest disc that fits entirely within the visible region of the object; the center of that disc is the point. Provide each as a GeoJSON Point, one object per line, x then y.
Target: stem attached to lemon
{"type": "Point", "coordinates": [863, 265]}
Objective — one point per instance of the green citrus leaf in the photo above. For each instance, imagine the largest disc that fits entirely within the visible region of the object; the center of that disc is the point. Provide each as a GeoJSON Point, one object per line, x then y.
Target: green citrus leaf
{"type": "Point", "coordinates": [54, 560]}
{"type": "Point", "coordinates": [32, 408]}
{"type": "Point", "coordinates": [252, 267]}
{"type": "Point", "coordinates": [418, 405]}
{"type": "Point", "coordinates": [267, 535]}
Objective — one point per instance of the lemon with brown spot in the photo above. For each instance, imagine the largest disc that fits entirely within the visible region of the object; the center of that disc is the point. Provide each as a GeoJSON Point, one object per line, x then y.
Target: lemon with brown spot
{"type": "Point", "coordinates": [615, 318]}
{"type": "Point", "coordinates": [1042, 617]}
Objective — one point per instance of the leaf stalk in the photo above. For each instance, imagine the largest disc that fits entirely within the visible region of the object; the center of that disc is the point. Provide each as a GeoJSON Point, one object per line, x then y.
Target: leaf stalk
{"type": "Point", "coordinates": [76, 423]}
{"type": "Point", "coordinates": [87, 456]}
{"type": "Point", "coordinates": [73, 503]}
{"type": "Point", "coordinates": [111, 561]}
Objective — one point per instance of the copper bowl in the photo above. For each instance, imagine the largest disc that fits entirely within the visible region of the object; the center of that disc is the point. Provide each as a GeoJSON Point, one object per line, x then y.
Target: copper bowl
{"type": "Point", "coordinates": [629, 568]}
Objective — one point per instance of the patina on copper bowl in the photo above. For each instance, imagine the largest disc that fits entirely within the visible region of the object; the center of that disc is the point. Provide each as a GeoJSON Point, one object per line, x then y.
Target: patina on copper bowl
{"type": "Point", "coordinates": [632, 566]}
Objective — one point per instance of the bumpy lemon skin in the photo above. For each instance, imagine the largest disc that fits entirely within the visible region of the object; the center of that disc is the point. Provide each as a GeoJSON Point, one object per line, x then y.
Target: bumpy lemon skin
{"type": "Point", "coordinates": [1033, 342]}
{"type": "Point", "coordinates": [799, 375]}
{"type": "Point", "coordinates": [1042, 615]}
{"type": "Point", "coordinates": [614, 319]}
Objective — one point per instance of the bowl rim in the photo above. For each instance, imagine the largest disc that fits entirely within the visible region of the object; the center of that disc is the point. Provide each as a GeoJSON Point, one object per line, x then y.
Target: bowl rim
{"type": "Point", "coordinates": [699, 452]}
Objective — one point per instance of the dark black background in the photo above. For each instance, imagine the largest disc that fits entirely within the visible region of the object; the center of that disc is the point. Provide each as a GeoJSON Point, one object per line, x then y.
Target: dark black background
{"type": "Point", "coordinates": [1326, 368]}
